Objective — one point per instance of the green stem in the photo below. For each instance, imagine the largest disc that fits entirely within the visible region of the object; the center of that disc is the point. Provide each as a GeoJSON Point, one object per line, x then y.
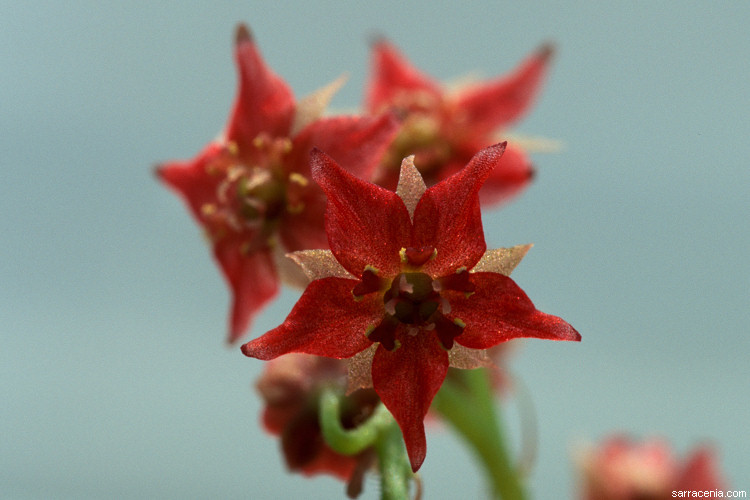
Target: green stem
{"type": "Point", "coordinates": [349, 441]}
{"type": "Point", "coordinates": [395, 471]}
{"type": "Point", "coordinates": [469, 406]}
{"type": "Point", "coordinates": [381, 432]}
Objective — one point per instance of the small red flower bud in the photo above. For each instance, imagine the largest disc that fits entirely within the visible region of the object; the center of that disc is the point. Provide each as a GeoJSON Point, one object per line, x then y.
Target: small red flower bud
{"type": "Point", "coordinates": [290, 387]}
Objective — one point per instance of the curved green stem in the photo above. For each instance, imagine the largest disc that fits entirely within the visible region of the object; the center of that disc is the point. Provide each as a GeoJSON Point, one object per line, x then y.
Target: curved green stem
{"type": "Point", "coordinates": [468, 405]}
{"type": "Point", "coordinates": [349, 441]}
{"type": "Point", "coordinates": [381, 432]}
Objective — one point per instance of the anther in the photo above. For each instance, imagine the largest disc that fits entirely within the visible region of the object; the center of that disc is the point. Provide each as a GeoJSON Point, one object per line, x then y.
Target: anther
{"type": "Point", "coordinates": [298, 179]}
{"type": "Point", "coordinates": [417, 256]}
{"type": "Point", "coordinates": [370, 282]}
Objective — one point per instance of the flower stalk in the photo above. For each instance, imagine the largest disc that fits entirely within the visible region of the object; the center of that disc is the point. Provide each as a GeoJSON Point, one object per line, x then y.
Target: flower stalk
{"type": "Point", "coordinates": [467, 403]}
{"type": "Point", "coordinates": [380, 432]}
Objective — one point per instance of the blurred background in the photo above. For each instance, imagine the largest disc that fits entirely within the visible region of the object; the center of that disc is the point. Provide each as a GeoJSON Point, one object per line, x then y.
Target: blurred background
{"type": "Point", "coordinates": [116, 380]}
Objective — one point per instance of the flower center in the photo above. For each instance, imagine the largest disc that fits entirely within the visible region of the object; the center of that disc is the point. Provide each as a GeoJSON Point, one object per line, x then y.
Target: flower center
{"type": "Point", "coordinates": [420, 136]}
{"type": "Point", "coordinates": [411, 298]}
{"type": "Point", "coordinates": [251, 191]}
{"type": "Point", "coordinates": [413, 301]}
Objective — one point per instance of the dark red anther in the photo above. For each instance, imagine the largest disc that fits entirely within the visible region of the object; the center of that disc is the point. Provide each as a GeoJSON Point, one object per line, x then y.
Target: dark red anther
{"type": "Point", "coordinates": [418, 256]}
{"type": "Point", "coordinates": [385, 333]}
{"type": "Point", "coordinates": [447, 330]}
{"type": "Point", "coordinates": [459, 281]}
{"type": "Point", "coordinates": [370, 283]}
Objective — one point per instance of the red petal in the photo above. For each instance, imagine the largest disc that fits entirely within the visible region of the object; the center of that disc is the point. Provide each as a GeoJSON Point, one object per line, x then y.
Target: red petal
{"type": "Point", "coordinates": [448, 218]}
{"type": "Point", "coordinates": [366, 224]}
{"type": "Point", "coordinates": [499, 310]}
{"type": "Point", "coordinates": [356, 143]}
{"type": "Point", "coordinates": [264, 101]}
{"type": "Point", "coordinates": [305, 229]}
{"type": "Point", "coordinates": [252, 279]}
{"type": "Point", "coordinates": [700, 472]}
{"type": "Point", "coordinates": [391, 75]}
{"type": "Point", "coordinates": [328, 461]}
{"type": "Point", "coordinates": [325, 321]}
{"type": "Point", "coordinates": [407, 380]}
{"type": "Point", "coordinates": [502, 101]}
{"type": "Point", "coordinates": [274, 419]}
{"type": "Point", "coordinates": [191, 180]}
{"type": "Point", "coordinates": [512, 175]}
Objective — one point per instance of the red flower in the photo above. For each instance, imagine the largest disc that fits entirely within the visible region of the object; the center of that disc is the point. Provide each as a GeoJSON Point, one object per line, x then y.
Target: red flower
{"type": "Point", "coordinates": [444, 129]}
{"type": "Point", "coordinates": [407, 288]}
{"type": "Point", "coordinates": [621, 469]}
{"type": "Point", "coordinates": [290, 387]}
{"type": "Point", "coordinates": [250, 189]}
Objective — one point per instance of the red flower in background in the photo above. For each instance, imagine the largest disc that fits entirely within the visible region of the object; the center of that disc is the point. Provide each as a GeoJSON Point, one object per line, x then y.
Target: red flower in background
{"type": "Point", "coordinates": [621, 469]}
{"type": "Point", "coordinates": [290, 387]}
{"type": "Point", "coordinates": [408, 288]}
{"type": "Point", "coordinates": [445, 129]}
{"type": "Point", "coordinates": [251, 190]}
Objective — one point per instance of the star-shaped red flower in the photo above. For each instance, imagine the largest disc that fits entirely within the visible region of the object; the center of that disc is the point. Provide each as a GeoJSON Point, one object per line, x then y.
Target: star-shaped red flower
{"type": "Point", "coordinates": [407, 288]}
{"type": "Point", "coordinates": [251, 190]}
{"type": "Point", "coordinates": [445, 129]}
{"type": "Point", "coordinates": [622, 469]}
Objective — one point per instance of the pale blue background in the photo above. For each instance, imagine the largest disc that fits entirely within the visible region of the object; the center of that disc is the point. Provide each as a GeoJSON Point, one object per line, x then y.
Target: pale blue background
{"type": "Point", "coordinates": [114, 376]}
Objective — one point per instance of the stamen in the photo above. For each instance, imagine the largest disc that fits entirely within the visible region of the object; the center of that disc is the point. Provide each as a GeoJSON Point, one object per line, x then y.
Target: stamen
{"type": "Point", "coordinates": [258, 178]}
{"type": "Point", "coordinates": [260, 141]}
{"type": "Point", "coordinates": [445, 306]}
{"type": "Point", "coordinates": [370, 282]}
{"type": "Point", "coordinates": [448, 330]}
{"type": "Point", "coordinates": [418, 256]}
{"type": "Point", "coordinates": [235, 172]}
{"type": "Point", "coordinates": [296, 208]}
{"type": "Point", "coordinates": [459, 281]}
{"type": "Point", "coordinates": [298, 179]}
{"type": "Point", "coordinates": [404, 285]}
{"type": "Point", "coordinates": [390, 307]}
{"type": "Point", "coordinates": [385, 333]}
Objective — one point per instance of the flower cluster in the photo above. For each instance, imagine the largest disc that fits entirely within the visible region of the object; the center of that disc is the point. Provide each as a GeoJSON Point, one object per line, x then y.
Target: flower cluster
{"type": "Point", "coordinates": [409, 286]}
{"type": "Point", "coordinates": [378, 217]}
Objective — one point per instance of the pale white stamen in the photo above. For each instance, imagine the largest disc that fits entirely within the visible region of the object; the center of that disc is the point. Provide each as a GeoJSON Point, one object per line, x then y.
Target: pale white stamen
{"type": "Point", "coordinates": [258, 178]}
{"type": "Point", "coordinates": [404, 285]}
{"type": "Point", "coordinates": [235, 173]}
{"type": "Point", "coordinates": [445, 305]}
{"type": "Point", "coordinates": [390, 307]}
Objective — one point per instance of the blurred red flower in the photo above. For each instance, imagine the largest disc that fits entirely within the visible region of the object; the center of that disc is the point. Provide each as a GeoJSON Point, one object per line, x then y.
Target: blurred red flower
{"type": "Point", "coordinates": [250, 189]}
{"type": "Point", "coordinates": [620, 469]}
{"type": "Point", "coordinates": [445, 129]}
{"type": "Point", "coordinates": [290, 387]}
